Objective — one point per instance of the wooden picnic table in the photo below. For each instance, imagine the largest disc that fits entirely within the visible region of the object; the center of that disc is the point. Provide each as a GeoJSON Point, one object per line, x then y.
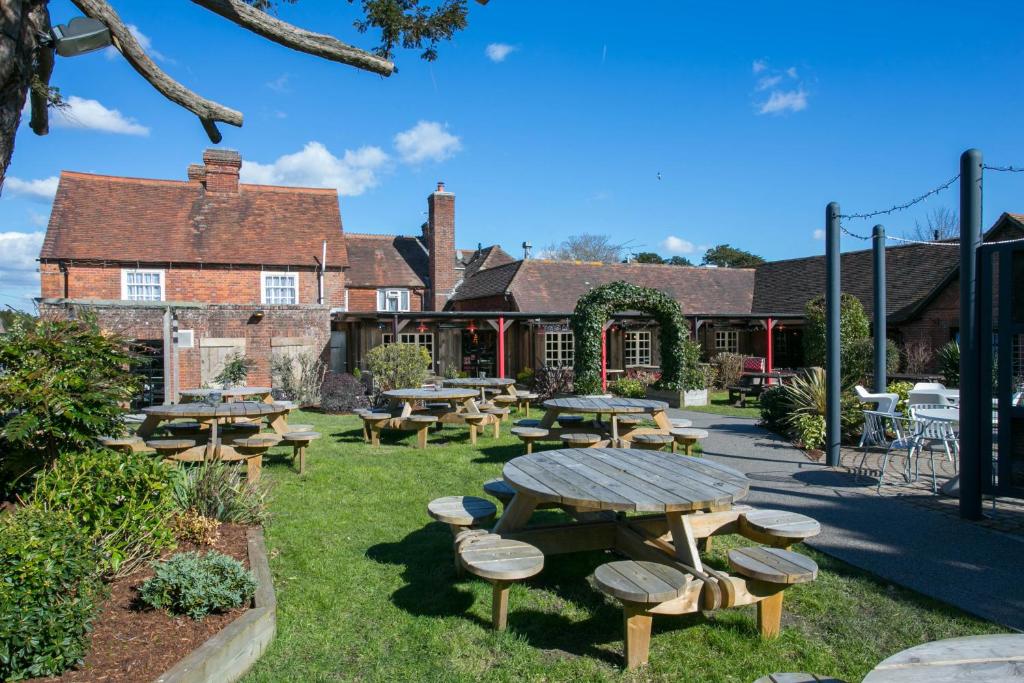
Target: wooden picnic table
{"type": "Point", "coordinates": [613, 407]}
{"type": "Point", "coordinates": [462, 404]}
{"type": "Point", "coordinates": [481, 383]}
{"type": "Point", "coordinates": [231, 394]}
{"type": "Point", "coordinates": [995, 658]}
{"type": "Point", "coordinates": [213, 415]}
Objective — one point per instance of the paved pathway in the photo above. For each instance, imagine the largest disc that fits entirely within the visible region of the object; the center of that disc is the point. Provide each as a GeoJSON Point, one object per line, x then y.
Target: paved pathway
{"type": "Point", "coordinates": [964, 564]}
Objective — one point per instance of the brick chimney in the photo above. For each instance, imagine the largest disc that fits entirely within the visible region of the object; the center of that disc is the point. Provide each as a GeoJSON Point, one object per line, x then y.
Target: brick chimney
{"type": "Point", "coordinates": [222, 166]}
{"type": "Point", "coordinates": [197, 174]}
{"type": "Point", "coordinates": [440, 239]}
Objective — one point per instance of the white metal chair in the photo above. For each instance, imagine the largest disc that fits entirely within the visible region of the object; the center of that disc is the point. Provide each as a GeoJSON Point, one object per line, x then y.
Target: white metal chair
{"type": "Point", "coordinates": [886, 401]}
{"type": "Point", "coordinates": [929, 386]}
{"type": "Point", "coordinates": [932, 431]}
{"type": "Point", "coordinates": [874, 429]}
{"type": "Point", "coordinates": [908, 436]}
{"type": "Point", "coordinates": [930, 398]}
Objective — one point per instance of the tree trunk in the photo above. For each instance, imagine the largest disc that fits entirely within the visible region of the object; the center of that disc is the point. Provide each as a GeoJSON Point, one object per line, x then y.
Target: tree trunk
{"type": "Point", "coordinates": [18, 43]}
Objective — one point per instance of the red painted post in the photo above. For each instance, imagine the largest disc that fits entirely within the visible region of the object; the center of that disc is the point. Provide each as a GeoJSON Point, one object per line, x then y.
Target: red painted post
{"type": "Point", "coordinates": [604, 361]}
{"type": "Point", "coordinates": [769, 362]}
{"type": "Point", "coordinates": [501, 346]}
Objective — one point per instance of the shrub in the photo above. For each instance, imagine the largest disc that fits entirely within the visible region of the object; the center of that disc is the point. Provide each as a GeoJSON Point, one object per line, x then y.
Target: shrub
{"type": "Point", "coordinates": [628, 387]}
{"type": "Point", "coordinates": [48, 593]}
{"type": "Point", "coordinates": [235, 371]}
{"type": "Point", "coordinates": [775, 409]}
{"type": "Point", "coordinates": [194, 528]}
{"type": "Point", "coordinates": [123, 502]}
{"type": "Point", "coordinates": [525, 377]}
{"type": "Point", "coordinates": [853, 326]}
{"type": "Point", "coordinates": [918, 356]}
{"type": "Point", "coordinates": [859, 360]}
{"type": "Point", "coordinates": [299, 376]}
{"type": "Point", "coordinates": [949, 363]}
{"type": "Point", "coordinates": [216, 490]}
{"type": "Point", "coordinates": [901, 389]}
{"type": "Point", "coordinates": [692, 373]}
{"type": "Point", "coordinates": [62, 385]}
{"type": "Point", "coordinates": [548, 381]}
{"type": "Point", "coordinates": [809, 430]}
{"type": "Point", "coordinates": [645, 377]}
{"type": "Point", "coordinates": [196, 585]}
{"type": "Point", "coordinates": [398, 366]}
{"type": "Point", "coordinates": [729, 367]}
{"type": "Point", "coordinates": [342, 393]}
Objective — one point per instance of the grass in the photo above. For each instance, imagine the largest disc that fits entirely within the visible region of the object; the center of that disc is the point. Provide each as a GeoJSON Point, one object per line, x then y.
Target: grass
{"type": "Point", "coordinates": [366, 589]}
{"type": "Point", "coordinates": [720, 405]}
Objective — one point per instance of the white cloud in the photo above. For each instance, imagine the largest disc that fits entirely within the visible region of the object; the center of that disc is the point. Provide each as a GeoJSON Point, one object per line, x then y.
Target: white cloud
{"type": "Point", "coordinates": [677, 245]}
{"type": "Point", "coordinates": [90, 114]}
{"type": "Point", "coordinates": [144, 42]}
{"type": "Point", "coordinates": [427, 140]}
{"type": "Point", "coordinates": [20, 250]}
{"type": "Point", "coordinates": [819, 234]}
{"type": "Point", "coordinates": [355, 172]}
{"type": "Point", "coordinates": [38, 219]}
{"type": "Point", "coordinates": [783, 101]}
{"type": "Point", "coordinates": [279, 84]}
{"type": "Point", "coordinates": [497, 52]}
{"type": "Point", "coordinates": [768, 82]}
{"type": "Point", "coordinates": [42, 189]}
{"type": "Point", "coordinates": [791, 72]}
{"type": "Point", "coordinates": [758, 66]}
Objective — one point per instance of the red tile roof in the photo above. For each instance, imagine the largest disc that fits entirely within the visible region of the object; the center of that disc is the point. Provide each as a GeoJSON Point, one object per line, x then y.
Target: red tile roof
{"type": "Point", "coordinates": [386, 261]}
{"type": "Point", "coordinates": [109, 218]}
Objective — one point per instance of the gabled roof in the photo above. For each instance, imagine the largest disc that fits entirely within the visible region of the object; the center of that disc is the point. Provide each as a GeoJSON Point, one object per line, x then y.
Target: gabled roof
{"type": "Point", "coordinates": [485, 258]}
{"type": "Point", "coordinates": [386, 261]}
{"type": "Point", "coordinates": [554, 286]}
{"type": "Point", "coordinates": [116, 219]}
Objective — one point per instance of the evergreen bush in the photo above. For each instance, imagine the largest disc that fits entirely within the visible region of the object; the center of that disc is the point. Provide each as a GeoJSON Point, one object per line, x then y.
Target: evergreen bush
{"type": "Point", "coordinates": [196, 585]}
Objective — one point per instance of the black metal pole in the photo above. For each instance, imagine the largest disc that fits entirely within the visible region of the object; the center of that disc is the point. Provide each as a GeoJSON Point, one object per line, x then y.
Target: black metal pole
{"type": "Point", "coordinates": [971, 347]}
{"type": "Point", "coordinates": [833, 368]}
{"type": "Point", "coordinates": [878, 246]}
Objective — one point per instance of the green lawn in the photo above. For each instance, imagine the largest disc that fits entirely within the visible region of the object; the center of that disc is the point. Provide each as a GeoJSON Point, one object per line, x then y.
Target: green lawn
{"type": "Point", "coordinates": [366, 589]}
{"type": "Point", "coordinates": [720, 405]}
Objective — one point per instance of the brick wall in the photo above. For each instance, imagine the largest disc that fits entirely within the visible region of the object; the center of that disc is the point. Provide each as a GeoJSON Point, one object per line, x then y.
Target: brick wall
{"type": "Point", "coordinates": [936, 323]}
{"type": "Point", "coordinates": [209, 285]}
{"type": "Point", "coordinates": [365, 299]}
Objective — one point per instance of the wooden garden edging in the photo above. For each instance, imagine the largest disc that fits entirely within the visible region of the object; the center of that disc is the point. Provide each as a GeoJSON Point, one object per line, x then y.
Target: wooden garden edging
{"type": "Point", "coordinates": [226, 656]}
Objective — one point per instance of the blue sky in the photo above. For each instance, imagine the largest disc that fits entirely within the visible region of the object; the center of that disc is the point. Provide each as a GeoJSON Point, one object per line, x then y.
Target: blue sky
{"type": "Point", "coordinates": [548, 119]}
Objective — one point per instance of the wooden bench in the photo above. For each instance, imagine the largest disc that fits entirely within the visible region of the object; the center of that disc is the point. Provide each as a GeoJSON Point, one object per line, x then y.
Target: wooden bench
{"type": "Point", "coordinates": [529, 422]}
{"type": "Point", "coordinates": [501, 562]}
{"type": "Point", "coordinates": [580, 440]}
{"type": "Point", "coordinates": [528, 435]}
{"type": "Point", "coordinates": [500, 489]}
{"type": "Point", "coordinates": [640, 586]}
{"type": "Point", "coordinates": [183, 429]}
{"type": "Point", "coordinates": [474, 420]}
{"type": "Point", "coordinates": [422, 424]}
{"type": "Point", "coordinates": [777, 528]}
{"type": "Point", "coordinates": [298, 442]}
{"type": "Point", "coordinates": [500, 415]}
{"type": "Point", "coordinates": [629, 420]}
{"type": "Point", "coordinates": [125, 444]}
{"type": "Point", "coordinates": [738, 395]}
{"type": "Point", "coordinates": [374, 423]}
{"type": "Point", "coordinates": [168, 448]}
{"type": "Point", "coordinates": [299, 427]}
{"type": "Point", "coordinates": [779, 569]}
{"type": "Point", "coordinates": [687, 437]}
{"type": "Point", "coordinates": [569, 421]}
{"type": "Point", "coordinates": [519, 399]}
{"type": "Point", "coordinates": [461, 513]}
{"type": "Point", "coordinates": [252, 449]}
{"type": "Point", "coordinates": [650, 442]}
{"type": "Point", "coordinates": [681, 422]}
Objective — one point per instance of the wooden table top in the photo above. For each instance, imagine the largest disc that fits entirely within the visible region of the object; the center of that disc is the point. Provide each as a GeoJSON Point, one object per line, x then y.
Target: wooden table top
{"type": "Point", "coordinates": [625, 479]}
{"type": "Point", "coordinates": [993, 659]}
{"type": "Point", "coordinates": [205, 410]}
{"type": "Point", "coordinates": [233, 392]}
{"type": "Point", "coordinates": [478, 382]}
{"type": "Point", "coordinates": [430, 394]}
{"type": "Point", "coordinates": [595, 404]}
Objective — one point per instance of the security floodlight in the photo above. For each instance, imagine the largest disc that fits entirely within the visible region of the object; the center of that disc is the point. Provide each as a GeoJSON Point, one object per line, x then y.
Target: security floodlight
{"type": "Point", "coordinates": [80, 36]}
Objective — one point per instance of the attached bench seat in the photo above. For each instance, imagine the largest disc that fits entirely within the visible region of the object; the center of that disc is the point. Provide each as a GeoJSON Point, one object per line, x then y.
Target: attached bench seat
{"type": "Point", "coordinates": [501, 562]}
{"type": "Point", "coordinates": [373, 423]}
{"type": "Point", "coordinates": [797, 678]}
{"type": "Point", "coordinates": [125, 444]}
{"type": "Point", "coordinates": [569, 421]}
{"type": "Point", "coordinates": [580, 440]}
{"type": "Point", "coordinates": [528, 422]}
{"type": "Point", "coordinates": [528, 435]}
{"type": "Point", "coordinates": [422, 424]}
{"type": "Point", "coordinates": [687, 437]}
{"type": "Point", "coordinates": [778, 528]}
{"type": "Point", "coordinates": [253, 448]}
{"type": "Point", "coordinates": [462, 513]}
{"type": "Point", "coordinates": [168, 448]}
{"type": "Point", "coordinates": [640, 586]}
{"type": "Point", "coordinates": [650, 442]}
{"type": "Point", "coordinates": [500, 489]}
{"type": "Point", "coordinates": [779, 569]}
{"type": "Point", "coordinates": [299, 441]}
{"type": "Point", "coordinates": [630, 420]}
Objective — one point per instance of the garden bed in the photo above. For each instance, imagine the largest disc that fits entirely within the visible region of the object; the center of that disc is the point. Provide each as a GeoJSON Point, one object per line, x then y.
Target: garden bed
{"type": "Point", "coordinates": [131, 642]}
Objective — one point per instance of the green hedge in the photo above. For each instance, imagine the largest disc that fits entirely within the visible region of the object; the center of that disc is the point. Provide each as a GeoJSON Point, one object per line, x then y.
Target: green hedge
{"type": "Point", "coordinates": [679, 355]}
{"type": "Point", "coordinates": [49, 593]}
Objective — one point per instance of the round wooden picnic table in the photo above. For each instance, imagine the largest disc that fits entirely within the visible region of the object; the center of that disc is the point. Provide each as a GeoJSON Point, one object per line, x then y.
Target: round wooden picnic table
{"type": "Point", "coordinates": [232, 393]}
{"type": "Point", "coordinates": [212, 414]}
{"type": "Point", "coordinates": [449, 395]}
{"type": "Point", "coordinates": [481, 383]}
{"type": "Point", "coordinates": [612, 406]}
{"type": "Point", "coordinates": [993, 658]}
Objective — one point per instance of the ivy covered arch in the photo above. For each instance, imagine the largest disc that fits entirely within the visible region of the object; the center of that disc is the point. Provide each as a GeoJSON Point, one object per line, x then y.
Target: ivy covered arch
{"type": "Point", "coordinates": [680, 355]}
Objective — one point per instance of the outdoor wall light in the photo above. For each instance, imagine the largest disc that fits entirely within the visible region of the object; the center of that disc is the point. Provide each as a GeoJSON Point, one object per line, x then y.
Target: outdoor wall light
{"type": "Point", "coordinates": [80, 36]}
{"type": "Point", "coordinates": [256, 316]}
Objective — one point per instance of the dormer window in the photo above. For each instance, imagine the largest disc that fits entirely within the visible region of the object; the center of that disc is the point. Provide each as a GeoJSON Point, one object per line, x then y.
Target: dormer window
{"type": "Point", "coordinates": [392, 300]}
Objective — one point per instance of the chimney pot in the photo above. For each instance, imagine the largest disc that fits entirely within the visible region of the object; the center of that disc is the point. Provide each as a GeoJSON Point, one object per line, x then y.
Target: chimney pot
{"type": "Point", "coordinates": [440, 186]}
{"type": "Point", "coordinates": [222, 167]}
{"type": "Point", "coordinates": [196, 173]}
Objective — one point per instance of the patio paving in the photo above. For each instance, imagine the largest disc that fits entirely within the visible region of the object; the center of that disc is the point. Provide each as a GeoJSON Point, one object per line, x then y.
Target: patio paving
{"type": "Point", "coordinates": [904, 535]}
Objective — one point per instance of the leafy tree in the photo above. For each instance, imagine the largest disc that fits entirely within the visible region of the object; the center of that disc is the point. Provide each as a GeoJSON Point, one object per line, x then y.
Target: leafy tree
{"type": "Point", "coordinates": [854, 329]}
{"type": "Point", "coordinates": [679, 261]}
{"type": "Point", "coordinates": [648, 257]}
{"type": "Point", "coordinates": [398, 366]}
{"type": "Point", "coordinates": [62, 384]}
{"type": "Point", "coordinates": [725, 256]}
{"type": "Point", "coordinates": [587, 247]}
{"type": "Point", "coordinates": [27, 54]}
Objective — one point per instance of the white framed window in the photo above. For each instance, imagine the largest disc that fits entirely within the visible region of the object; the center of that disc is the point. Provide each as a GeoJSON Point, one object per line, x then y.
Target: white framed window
{"type": "Point", "coordinates": [558, 349]}
{"type": "Point", "coordinates": [727, 341]}
{"type": "Point", "coordinates": [637, 347]}
{"type": "Point", "coordinates": [142, 285]}
{"type": "Point", "coordinates": [392, 300]}
{"type": "Point", "coordinates": [279, 288]}
{"type": "Point", "coordinates": [424, 339]}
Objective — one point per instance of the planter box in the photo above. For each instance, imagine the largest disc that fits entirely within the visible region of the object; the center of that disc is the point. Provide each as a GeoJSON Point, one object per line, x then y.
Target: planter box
{"type": "Point", "coordinates": [679, 399]}
{"type": "Point", "coordinates": [228, 655]}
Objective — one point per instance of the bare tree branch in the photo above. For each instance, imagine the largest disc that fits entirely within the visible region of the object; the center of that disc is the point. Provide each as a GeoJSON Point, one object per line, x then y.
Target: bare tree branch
{"type": "Point", "coordinates": [296, 38]}
{"type": "Point", "coordinates": [939, 224]}
{"type": "Point", "coordinates": [124, 41]}
{"type": "Point", "coordinates": [42, 67]}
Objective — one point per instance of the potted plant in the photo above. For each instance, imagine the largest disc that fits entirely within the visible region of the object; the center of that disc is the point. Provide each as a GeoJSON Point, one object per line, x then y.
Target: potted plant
{"type": "Point", "coordinates": [692, 387]}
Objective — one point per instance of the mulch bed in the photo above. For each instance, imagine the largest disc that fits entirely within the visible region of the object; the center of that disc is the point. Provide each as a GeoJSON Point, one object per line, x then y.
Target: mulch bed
{"type": "Point", "coordinates": [131, 642]}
